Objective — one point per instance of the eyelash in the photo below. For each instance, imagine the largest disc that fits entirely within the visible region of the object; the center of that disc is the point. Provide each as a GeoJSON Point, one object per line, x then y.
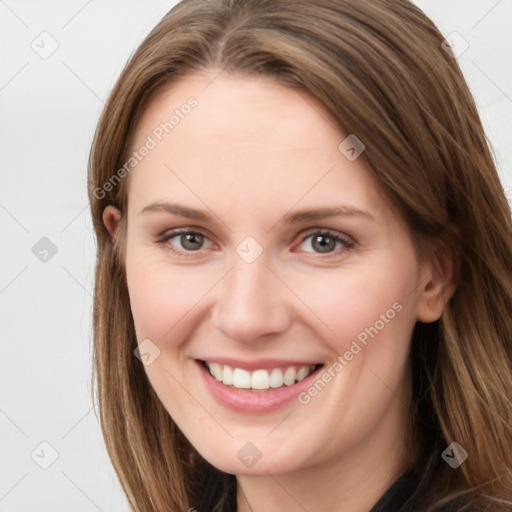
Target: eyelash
{"type": "Point", "coordinates": [163, 240]}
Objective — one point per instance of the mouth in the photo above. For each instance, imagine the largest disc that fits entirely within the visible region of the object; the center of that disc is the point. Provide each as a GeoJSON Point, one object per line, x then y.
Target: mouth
{"type": "Point", "coordinates": [260, 379]}
{"type": "Point", "coordinates": [256, 387]}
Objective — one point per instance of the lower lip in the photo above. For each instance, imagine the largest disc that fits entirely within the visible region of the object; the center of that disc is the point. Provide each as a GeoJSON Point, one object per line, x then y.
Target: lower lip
{"type": "Point", "coordinates": [244, 400]}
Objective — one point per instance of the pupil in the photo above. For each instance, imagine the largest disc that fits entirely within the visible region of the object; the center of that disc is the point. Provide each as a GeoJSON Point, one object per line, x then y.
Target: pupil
{"type": "Point", "coordinates": [324, 246]}
{"type": "Point", "coordinates": [190, 240]}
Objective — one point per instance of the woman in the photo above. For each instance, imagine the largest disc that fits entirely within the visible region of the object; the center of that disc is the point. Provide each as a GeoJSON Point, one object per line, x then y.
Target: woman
{"type": "Point", "coordinates": [302, 293]}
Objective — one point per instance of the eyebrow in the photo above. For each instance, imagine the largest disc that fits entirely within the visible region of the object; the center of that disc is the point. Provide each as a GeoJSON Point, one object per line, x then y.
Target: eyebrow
{"type": "Point", "coordinates": [324, 213]}
{"type": "Point", "coordinates": [297, 216]}
{"type": "Point", "coordinates": [176, 209]}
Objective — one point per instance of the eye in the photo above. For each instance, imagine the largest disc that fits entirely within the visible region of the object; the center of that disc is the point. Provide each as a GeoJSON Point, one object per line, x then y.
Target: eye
{"type": "Point", "coordinates": [325, 241]}
{"type": "Point", "coordinates": [186, 240]}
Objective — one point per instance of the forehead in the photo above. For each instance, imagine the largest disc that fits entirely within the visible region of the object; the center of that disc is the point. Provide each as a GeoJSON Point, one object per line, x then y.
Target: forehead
{"type": "Point", "coordinates": [249, 141]}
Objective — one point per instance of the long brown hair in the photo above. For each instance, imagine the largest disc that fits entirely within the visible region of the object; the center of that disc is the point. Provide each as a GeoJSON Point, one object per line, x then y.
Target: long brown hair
{"type": "Point", "coordinates": [380, 68]}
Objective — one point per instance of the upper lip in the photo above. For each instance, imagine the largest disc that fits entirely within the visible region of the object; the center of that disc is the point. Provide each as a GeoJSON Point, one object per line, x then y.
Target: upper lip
{"type": "Point", "coordinates": [258, 364]}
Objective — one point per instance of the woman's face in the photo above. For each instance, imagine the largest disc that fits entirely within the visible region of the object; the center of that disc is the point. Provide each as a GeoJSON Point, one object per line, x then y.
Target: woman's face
{"type": "Point", "coordinates": [260, 288]}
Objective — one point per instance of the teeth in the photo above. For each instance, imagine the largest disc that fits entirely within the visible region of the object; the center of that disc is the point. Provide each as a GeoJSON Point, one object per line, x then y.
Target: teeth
{"type": "Point", "coordinates": [241, 379]}
{"type": "Point", "coordinates": [289, 376]}
{"type": "Point", "coordinates": [303, 373]}
{"type": "Point", "coordinates": [259, 379]}
{"type": "Point", "coordinates": [276, 378]}
{"type": "Point", "coordinates": [227, 375]}
{"type": "Point", "coordinates": [216, 371]}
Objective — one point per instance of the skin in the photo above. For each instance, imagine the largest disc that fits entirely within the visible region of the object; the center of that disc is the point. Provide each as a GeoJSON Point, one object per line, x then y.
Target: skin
{"type": "Point", "coordinates": [248, 154]}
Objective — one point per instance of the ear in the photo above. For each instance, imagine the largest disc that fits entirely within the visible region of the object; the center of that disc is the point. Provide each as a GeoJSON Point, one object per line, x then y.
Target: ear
{"type": "Point", "coordinates": [438, 284]}
{"type": "Point", "coordinates": [111, 218]}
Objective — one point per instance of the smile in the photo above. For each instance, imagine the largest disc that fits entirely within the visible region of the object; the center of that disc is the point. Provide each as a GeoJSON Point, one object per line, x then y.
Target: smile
{"type": "Point", "coordinates": [260, 379]}
{"type": "Point", "coordinates": [258, 387]}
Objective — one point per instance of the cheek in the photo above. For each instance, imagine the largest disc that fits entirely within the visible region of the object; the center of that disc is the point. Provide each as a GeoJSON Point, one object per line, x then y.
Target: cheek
{"type": "Point", "coordinates": [160, 297]}
{"type": "Point", "coordinates": [361, 304]}
{"type": "Point", "coordinates": [161, 294]}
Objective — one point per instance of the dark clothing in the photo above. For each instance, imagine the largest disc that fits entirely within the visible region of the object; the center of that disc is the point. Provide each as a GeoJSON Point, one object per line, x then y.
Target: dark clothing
{"type": "Point", "coordinates": [397, 497]}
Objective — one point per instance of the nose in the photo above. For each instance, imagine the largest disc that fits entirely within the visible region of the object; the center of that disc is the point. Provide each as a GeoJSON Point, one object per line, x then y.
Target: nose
{"type": "Point", "coordinates": [251, 302]}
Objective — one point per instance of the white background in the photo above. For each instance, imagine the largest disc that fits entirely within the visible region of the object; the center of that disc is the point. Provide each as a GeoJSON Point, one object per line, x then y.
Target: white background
{"type": "Point", "coordinates": [49, 109]}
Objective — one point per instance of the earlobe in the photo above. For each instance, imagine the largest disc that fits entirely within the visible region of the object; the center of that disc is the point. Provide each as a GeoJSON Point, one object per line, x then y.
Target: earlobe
{"type": "Point", "coordinates": [111, 218]}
